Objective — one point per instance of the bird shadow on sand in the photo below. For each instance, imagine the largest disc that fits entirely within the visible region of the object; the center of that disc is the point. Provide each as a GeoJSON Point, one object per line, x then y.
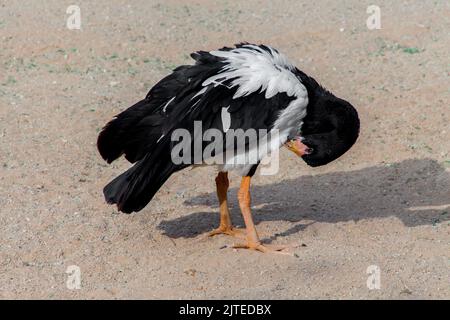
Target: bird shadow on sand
{"type": "Point", "coordinates": [417, 192]}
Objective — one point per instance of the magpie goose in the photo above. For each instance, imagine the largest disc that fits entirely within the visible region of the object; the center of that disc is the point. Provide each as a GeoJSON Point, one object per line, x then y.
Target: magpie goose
{"type": "Point", "coordinates": [248, 87]}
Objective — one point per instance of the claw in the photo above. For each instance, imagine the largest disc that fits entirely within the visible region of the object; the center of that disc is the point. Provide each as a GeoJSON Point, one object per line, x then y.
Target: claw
{"type": "Point", "coordinates": [234, 232]}
{"type": "Point", "coordinates": [263, 248]}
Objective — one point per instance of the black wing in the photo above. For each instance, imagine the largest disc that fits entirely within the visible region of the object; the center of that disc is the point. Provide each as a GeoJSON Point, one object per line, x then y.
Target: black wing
{"type": "Point", "coordinates": [135, 131]}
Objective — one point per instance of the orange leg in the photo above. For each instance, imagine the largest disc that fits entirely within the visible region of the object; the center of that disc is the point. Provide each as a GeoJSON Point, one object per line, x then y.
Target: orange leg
{"type": "Point", "coordinates": [225, 226]}
{"type": "Point", "coordinates": [253, 241]}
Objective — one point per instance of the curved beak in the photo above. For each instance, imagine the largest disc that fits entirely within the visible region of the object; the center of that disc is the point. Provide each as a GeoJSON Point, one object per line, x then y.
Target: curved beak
{"type": "Point", "coordinates": [298, 147]}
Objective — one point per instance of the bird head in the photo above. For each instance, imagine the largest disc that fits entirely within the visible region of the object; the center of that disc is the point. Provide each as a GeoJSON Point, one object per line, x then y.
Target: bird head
{"type": "Point", "coordinates": [329, 129]}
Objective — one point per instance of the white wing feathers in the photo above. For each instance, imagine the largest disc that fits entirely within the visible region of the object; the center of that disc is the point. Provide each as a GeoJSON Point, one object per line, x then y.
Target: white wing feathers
{"type": "Point", "coordinates": [252, 69]}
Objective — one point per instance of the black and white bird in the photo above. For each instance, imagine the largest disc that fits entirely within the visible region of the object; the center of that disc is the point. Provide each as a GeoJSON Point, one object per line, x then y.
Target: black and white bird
{"type": "Point", "coordinates": [248, 87]}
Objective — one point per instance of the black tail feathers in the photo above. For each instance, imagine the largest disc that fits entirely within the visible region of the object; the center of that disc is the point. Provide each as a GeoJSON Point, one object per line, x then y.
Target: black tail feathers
{"type": "Point", "coordinates": [133, 189]}
{"type": "Point", "coordinates": [133, 132]}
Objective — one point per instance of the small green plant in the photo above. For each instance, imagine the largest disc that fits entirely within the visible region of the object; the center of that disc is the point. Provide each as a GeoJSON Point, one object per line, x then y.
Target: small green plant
{"type": "Point", "coordinates": [11, 80]}
{"type": "Point", "coordinates": [411, 50]}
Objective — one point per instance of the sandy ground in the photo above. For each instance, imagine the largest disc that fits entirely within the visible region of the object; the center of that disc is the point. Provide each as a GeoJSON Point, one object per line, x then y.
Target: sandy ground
{"type": "Point", "coordinates": [385, 203]}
